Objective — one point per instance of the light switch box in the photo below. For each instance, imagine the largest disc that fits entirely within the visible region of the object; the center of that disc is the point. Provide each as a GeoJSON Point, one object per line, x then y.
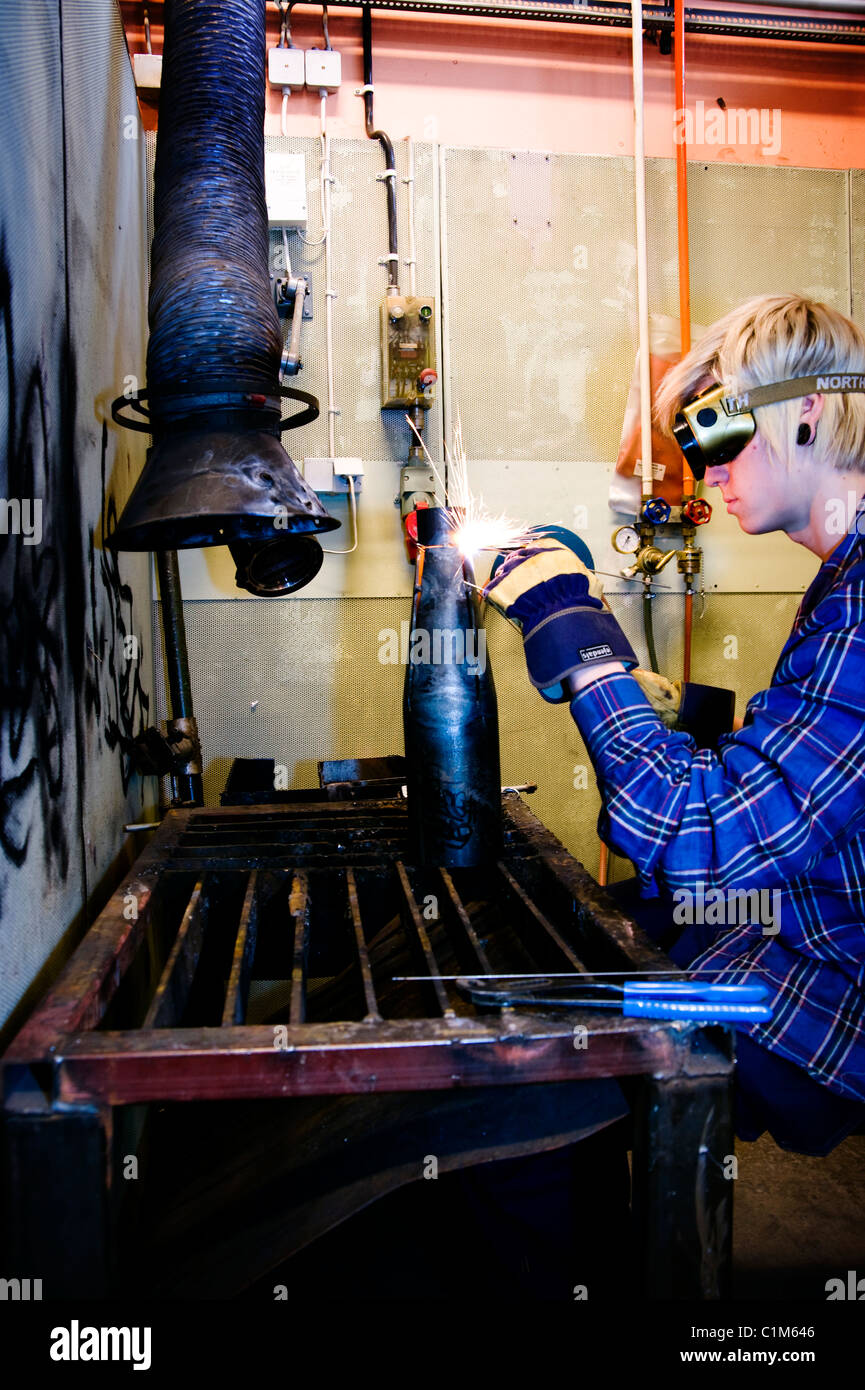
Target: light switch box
{"type": "Point", "coordinates": [286, 68]}
{"type": "Point", "coordinates": [147, 69]}
{"type": "Point", "coordinates": [323, 69]}
{"type": "Point", "coordinates": [285, 189]}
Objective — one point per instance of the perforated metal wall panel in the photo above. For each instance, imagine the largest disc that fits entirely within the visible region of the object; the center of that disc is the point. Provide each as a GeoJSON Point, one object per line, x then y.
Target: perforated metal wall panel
{"type": "Point", "coordinates": [541, 289]}
{"type": "Point", "coordinates": [539, 317]}
{"type": "Point", "coordinates": [359, 217]}
{"type": "Point", "coordinates": [322, 692]}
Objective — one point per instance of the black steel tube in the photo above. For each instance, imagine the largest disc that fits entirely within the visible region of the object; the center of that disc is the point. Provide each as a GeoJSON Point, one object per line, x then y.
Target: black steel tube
{"type": "Point", "coordinates": [450, 715]}
{"type": "Point", "coordinates": [174, 634]}
{"type": "Point", "coordinates": [386, 144]}
{"type": "Point", "coordinates": [187, 788]}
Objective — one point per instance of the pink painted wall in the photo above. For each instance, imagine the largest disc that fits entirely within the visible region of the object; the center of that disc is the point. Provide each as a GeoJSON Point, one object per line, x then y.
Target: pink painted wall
{"type": "Point", "coordinates": [567, 88]}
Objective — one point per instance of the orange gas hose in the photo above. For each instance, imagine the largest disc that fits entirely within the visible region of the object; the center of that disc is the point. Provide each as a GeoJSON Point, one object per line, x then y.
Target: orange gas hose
{"type": "Point", "coordinates": [603, 865]}
{"type": "Point", "coordinates": [684, 265]}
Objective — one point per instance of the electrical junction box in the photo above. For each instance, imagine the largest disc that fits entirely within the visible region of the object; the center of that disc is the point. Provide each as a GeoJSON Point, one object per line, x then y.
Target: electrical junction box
{"type": "Point", "coordinates": [147, 69]}
{"type": "Point", "coordinates": [331, 475]}
{"type": "Point", "coordinates": [323, 69]}
{"type": "Point", "coordinates": [285, 189]}
{"type": "Point", "coordinates": [286, 68]}
{"type": "Point", "coordinates": [408, 371]}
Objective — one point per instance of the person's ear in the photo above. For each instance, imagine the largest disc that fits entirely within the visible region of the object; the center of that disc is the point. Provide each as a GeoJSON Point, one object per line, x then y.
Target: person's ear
{"type": "Point", "coordinates": [812, 409]}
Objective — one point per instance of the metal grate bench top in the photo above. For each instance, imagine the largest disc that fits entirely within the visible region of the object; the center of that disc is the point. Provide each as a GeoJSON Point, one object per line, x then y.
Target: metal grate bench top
{"type": "Point", "coordinates": [252, 952]}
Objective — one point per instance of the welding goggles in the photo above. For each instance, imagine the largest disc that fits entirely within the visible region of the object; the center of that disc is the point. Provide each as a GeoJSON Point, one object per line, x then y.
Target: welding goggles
{"type": "Point", "coordinates": [714, 427]}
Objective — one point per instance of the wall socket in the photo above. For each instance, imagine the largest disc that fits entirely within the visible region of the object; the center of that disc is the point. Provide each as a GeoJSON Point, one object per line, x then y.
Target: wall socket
{"type": "Point", "coordinates": [323, 475]}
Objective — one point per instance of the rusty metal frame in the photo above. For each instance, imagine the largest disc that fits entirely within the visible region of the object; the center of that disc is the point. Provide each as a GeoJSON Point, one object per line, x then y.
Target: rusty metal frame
{"type": "Point", "coordinates": [66, 1065]}
{"type": "Point", "coordinates": [63, 1057]}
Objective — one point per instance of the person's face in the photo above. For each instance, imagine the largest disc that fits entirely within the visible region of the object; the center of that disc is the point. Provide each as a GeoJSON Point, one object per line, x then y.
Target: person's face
{"type": "Point", "coordinates": [761, 494]}
{"type": "Point", "coordinates": [755, 490]}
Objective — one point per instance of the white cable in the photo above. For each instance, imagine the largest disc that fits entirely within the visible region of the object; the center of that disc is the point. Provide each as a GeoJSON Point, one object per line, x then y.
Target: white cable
{"type": "Point", "coordinates": [327, 181]}
{"type": "Point", "coordinates": [352, 502]}
{"type": "Point", "coordinates": [411, 260]}
{"type": "Point", "coordinates": [329, 294]}
{"type": "Point", "coordinates": [642, 250]}
{"type": "Point", "coordinates": [324, 176]}
{"type": "Point", "coordinates": [286, 93]}
{"type": "Point", "coordinates": [285, 254]}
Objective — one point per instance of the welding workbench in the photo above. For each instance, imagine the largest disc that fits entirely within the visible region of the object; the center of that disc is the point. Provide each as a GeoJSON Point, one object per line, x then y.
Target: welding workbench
{"type": "Point", "coordinates": [161, 1003]}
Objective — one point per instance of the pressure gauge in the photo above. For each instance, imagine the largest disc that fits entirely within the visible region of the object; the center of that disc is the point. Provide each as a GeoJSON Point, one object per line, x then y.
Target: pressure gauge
{"type": "Point", "coordinates": [626, 540]}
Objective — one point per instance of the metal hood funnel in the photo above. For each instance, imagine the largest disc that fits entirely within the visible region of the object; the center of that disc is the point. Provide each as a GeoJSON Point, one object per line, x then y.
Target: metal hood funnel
{"type": "Point", "coordinates": [217, 473]}
{"type": "Point", "coordinates": [212, 487]}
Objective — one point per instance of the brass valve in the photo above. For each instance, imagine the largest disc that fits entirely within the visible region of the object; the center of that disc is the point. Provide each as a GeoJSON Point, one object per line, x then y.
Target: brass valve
{"type": "Point", "coordinates": [649, 561]}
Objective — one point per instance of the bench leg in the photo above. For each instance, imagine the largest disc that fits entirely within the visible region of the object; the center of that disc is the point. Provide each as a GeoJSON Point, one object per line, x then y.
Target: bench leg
{"type": "Point", "coordinates": [58, 1201]}
{"type": "Point", "coordinates": [682, 1186]}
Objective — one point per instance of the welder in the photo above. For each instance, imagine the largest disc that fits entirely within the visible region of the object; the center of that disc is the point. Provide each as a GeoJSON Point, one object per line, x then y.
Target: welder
{"type": "Point", "coordinates": [769, 407]}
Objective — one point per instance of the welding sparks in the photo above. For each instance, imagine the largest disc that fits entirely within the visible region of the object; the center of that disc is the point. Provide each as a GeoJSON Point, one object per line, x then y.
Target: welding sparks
{"type": "Point", "coordinates": [476, 528]}
{"type": "Point", "coordinates": [479, 528]}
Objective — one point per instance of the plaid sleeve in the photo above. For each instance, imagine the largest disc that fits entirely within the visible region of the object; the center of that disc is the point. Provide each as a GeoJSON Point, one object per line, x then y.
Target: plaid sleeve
{"type": "Point", "coordinates": [777, 794]}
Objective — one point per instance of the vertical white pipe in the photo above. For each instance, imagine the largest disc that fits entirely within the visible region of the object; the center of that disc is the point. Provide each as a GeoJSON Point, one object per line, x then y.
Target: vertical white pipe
{"type": "Point", "coordinates": [329, 294]}
{"type": "Point", "coordinates": [445, 375]}
{"type": "Point", "coordinates": [411, 260]}
{"type": "Point", "coordinates": [642, 248]}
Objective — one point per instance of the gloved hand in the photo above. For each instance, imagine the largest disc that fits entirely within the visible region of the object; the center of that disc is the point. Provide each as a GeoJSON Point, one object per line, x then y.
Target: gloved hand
{"type": "Point", "coordinates": [664, 696]}
{"type": "Point", "coordinates": [559, 602]}
{"type": "Point", "coordinates": [703, 711]}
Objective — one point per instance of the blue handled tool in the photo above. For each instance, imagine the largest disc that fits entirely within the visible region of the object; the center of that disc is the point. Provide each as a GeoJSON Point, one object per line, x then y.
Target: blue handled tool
{"type": "Point", "coordinates": [679, 999]}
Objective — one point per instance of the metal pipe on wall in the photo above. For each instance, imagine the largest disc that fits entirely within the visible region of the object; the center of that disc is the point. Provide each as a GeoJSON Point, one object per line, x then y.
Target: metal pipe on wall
{"type": "Point", "coordinates": [187, 785]}
{"type": "Point", "coordinates": [642, 249]}
{"type": "Point", "coordinates": [684, 276]}
{"type": "Point", "coordinates": [743, 24]}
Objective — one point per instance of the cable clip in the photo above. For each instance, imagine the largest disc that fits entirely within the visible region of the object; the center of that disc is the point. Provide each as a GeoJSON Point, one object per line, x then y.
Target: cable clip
{"type": "Point", "coordinates": [383, 260]}
{"type": "Point", "coordinates": [388, 174]}
{"type": "Point", "coordinates": [362, 91]}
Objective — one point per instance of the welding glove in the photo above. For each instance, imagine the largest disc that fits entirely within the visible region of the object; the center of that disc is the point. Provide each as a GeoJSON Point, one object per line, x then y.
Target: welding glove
{"type": "Point", "coordinates": [559, 603]}
{"type": "Point", "coordinates": [664, 696]}
{"type": "Point", "coordinates": [703, 711]}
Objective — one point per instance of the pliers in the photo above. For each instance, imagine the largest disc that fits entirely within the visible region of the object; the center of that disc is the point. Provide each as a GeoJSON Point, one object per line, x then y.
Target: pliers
{"type": "Point", "coordinates": [672, 999]}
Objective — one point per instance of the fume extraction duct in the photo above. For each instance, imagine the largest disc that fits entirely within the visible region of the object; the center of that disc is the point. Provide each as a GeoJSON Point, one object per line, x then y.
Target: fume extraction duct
{"type": "Point", "coordinates": [217, 473]}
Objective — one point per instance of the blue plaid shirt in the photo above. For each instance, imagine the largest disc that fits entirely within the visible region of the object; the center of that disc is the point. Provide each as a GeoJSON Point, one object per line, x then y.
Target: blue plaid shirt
{"type": "Point", "coordinates": [780, 806]}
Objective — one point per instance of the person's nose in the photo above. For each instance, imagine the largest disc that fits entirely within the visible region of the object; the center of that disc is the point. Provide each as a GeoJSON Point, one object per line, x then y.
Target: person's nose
{"type": "Point", "coordinates": [717, 475]}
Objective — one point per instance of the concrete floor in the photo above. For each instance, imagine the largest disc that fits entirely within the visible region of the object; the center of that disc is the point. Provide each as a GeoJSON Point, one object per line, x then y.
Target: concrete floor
{"type": "Point", "coordinates": [798, 1221]}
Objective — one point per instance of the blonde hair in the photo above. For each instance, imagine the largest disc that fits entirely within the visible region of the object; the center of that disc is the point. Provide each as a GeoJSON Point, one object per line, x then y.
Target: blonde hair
{"type": "Point", "coordinates": [772, 338]}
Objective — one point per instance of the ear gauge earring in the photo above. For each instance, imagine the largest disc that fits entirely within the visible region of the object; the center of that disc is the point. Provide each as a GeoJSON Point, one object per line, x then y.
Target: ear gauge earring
{"type": "Point", "coordinates": [805, 434]}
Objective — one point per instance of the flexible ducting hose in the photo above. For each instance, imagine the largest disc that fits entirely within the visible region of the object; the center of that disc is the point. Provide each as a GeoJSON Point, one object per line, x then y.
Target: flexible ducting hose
{"type": "Point", "coordinates": [211, 312]}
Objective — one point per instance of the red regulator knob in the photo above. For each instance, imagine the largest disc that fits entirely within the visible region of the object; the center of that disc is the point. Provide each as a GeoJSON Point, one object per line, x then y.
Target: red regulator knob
{"type": "Point", "coordinates": [697, 511]}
